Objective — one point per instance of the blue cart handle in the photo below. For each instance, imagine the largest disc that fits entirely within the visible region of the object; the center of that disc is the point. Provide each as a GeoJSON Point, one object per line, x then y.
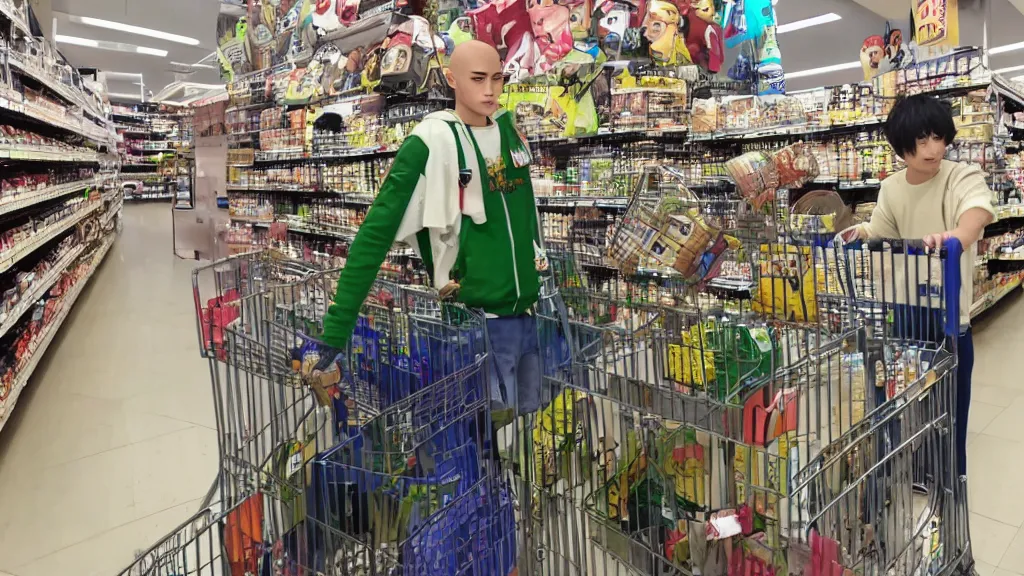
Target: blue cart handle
{"type": "Point", "coordinates": [950, 251]}
{"type": "Point", "coordinates": [951, 278]}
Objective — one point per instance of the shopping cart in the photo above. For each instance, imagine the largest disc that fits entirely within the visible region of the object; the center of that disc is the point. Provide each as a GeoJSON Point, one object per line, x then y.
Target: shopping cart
{"type": "Point", "coordinates": [384, 467]}
{"type": "Point", "coordinates": [785, 426]}
{"type": "Point", "coordinates": [701, 432]}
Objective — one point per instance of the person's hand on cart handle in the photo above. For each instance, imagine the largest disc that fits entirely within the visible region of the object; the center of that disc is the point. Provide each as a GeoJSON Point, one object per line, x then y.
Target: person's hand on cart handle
{"type": "Point", "coordinates": [852, 234]}
{"type": "Point", "coordinates": [965, 237]}
{"type": "Point", "coordinates": [331, 359]}
{"type": "Point", "coordinates": [934, 241]}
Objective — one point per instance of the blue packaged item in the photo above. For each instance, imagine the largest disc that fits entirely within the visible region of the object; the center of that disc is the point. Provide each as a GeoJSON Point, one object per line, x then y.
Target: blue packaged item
{"type": "Point", "coordinates": [746, 20]}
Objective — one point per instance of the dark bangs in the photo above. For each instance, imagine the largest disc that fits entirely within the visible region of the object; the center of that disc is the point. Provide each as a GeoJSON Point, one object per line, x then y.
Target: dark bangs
{"type": "Point", "coordinates": [916, 117]}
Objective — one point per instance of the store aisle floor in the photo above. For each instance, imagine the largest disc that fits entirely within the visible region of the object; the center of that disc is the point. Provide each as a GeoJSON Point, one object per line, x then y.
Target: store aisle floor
{"type": "Point", "coordinates": [113, 444]}
{"type": "Point", "coordinates": [995, 445]}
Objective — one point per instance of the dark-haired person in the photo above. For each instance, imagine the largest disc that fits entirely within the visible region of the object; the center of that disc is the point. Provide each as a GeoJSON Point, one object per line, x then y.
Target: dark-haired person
{"type": "Point", "coordinates": [933, 199]}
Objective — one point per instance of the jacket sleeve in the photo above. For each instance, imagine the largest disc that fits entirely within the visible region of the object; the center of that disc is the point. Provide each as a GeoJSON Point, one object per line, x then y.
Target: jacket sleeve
{"type": "Point", "coordinates": [971, 191]}
{"type": "Point", "coordinates": [374, 240]}
{"type": "Point", "coordinates": [882, 223]}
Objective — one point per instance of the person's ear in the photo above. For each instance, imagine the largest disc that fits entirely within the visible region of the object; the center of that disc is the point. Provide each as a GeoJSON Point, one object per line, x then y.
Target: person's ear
{"type": "Point", "coordinates": [449, 77]}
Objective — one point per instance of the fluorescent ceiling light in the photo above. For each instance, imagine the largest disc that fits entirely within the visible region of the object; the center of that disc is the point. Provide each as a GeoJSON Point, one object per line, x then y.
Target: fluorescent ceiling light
{"type": "Point", "coordinates": [151, 51]}
{"type": "Point", "coordinates": [801, 24]}
{"type": "Point", "coordinates": [1007, 48]}
{"type": "Point", "coordinates": [114, 46]}
{"type": "Point", "coordinates": [89, 21]}
{"type": "Point", "coordinates": [77, 41]}
{"type": "Point", "coordinates": [125, 95]}
{"type": "Point", "coordinates": [823, 70]}
{"type": "Point", "coordinates": [129, 75]}
{"type": "Point", "coordinates": [207, 66]}
{"type": "Point", "coordinates": [1010, 69]}
{"type": "Point", "coordinates": [202, 86]}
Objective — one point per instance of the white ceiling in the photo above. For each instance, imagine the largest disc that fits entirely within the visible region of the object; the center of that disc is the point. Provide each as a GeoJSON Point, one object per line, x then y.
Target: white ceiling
{"type": "Point", "coordinates": [193, 18]}
{"type": "Point", "coordinates": [839, 42]}
{"type": "Point", "coordinates": [824, 45]}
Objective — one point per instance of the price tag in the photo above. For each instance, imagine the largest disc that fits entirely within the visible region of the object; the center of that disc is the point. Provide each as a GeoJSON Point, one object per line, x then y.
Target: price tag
{"type": "Point", "coordinates": [294, 463]}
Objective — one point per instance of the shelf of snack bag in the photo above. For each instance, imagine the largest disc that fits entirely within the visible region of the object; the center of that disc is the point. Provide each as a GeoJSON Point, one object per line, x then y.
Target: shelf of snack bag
{"type": "Point", "coordinates": [54, 295]}
{"type": "Point", "coordinates": [44, 88]}
{"type": "Point", "coordinates": [57, 143]}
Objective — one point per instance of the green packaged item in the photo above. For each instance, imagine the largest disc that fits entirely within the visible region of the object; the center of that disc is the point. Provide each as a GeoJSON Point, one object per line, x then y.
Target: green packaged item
{"type": "Point", "coordinates": [742, 355]}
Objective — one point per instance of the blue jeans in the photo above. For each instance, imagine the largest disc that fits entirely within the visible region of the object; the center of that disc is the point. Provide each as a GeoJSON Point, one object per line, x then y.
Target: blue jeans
{"type": "Point", "coordinates": [965, 357]}
{"type": "Point", "coordinates": [515, 375]}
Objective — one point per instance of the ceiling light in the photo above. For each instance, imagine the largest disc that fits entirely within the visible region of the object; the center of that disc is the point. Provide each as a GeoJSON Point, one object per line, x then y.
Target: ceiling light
{"type": "Point", "coordinates": [203, 86]}
{"type": "Point", "coordinates": [129, 75]}
{"type": "Point", "coordinates": [151, 51]}
{"type": "Point", "coordinates": [77, 41]}
{"type": "Point", "coordinates": [115, 46]}
{"type": "Point", "coordinates": [125, 95]}
{"type": "Point", "coordinates": [89, 21]}
{"type": "Point", "coordinates": [1010, 69]}
{"type": "Point", "coordinates": [208, 66]}
{"type": "Point", "coordinates": [824, 70]}
{"type": "Point", "coordinates": [1007, 48]}
{"type": "Point", "coordinates": [816, 21]}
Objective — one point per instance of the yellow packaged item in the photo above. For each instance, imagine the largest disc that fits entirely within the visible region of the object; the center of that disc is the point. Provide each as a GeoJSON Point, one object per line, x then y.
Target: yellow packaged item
{"type": "Point", "coordinates": [788, 284]}
{"type": "Point", "coordinates": [692, 363]}
{"type": "Point", "coordinates": [557, 427]}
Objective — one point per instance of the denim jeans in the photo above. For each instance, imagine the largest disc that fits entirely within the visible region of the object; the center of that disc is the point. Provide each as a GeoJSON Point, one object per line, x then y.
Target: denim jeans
{"type": "Point", "coordinates": [515, 371]}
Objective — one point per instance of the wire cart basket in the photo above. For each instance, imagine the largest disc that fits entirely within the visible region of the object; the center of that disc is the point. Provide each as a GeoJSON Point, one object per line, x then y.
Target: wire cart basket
{"type": "Point", "coordinates": [386, 470]}
{"type": "Point", "coordinates": [772, 403]}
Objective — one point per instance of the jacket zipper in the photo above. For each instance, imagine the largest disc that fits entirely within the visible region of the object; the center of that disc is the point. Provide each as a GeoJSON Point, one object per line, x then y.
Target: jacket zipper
{"type": "Point", "coordinates": [512, 245]}
{"type": "Point", "coordinates": [482, 166]}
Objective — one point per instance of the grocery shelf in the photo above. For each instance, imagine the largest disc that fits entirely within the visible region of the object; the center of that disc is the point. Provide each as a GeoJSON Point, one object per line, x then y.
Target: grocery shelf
{"type": "Point", "coordinates": [1007, 258]}
{"type": "Point", "coordinates": [29, 299]}
{"type": "Point", "coordinates": [149, 196]}
{"type": "Point", "coordinates": [296, 228]}
{"type": "Point", "coordinates": [21, 380]}
{"type": "Point", "coordinates": [80, 126]}
{"type": "Point", "coordinates": [48, 233]}
{"type": "Point", "coordinates": [111, 212]}
{"type": "Point", "coordinates": [272, 157]}
{"type": "Point", "coordinates": [48, 193]}
{"type": "Point", "coordinates": [63, 90]}
{"type": "Point", "coordinates": [19, 23]}
{"type": "Point", "coordinates": [993, 297]}
{"type": "Point", "coordinates": [251, 220]}
{"type": "Point", "coordinates": [46, 154]}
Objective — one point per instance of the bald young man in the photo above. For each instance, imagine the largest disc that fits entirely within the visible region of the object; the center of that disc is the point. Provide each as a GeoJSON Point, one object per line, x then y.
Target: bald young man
{"type": "Point", "coordinates": [459, 191]}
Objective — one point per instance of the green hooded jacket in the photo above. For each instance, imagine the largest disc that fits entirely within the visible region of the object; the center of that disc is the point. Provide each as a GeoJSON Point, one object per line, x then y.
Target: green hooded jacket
{"type": "Point", "coordinates": [495, 266]}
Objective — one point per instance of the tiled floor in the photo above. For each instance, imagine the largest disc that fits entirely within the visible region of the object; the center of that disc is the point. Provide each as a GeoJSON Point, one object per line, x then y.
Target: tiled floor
{"type": "Point", "coordinates": [113, 444]}
{"type": "Point", "coordinates": [995, 450]}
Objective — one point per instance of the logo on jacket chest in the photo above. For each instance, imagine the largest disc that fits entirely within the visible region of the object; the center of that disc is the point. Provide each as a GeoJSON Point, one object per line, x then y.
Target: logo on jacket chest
{"type": "Point", "coordinates": [499, 179]}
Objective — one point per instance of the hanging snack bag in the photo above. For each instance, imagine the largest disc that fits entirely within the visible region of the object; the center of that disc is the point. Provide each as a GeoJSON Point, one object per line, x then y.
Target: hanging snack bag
{"type": "Point", "coordinates": [704, 119]}
{"type": "Point", "coordinates": [795, 165]}
{"type": "Point", "coordinates": [408, 50]}
{"type": "Point", "coordinates": [755, 176]}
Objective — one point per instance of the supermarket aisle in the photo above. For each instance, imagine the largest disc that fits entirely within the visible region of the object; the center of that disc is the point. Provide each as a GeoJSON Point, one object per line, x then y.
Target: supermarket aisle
{"type": "Point", "coordinates": [996, 441]}
{"type": "Point", "coordinates": [113, 444]}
